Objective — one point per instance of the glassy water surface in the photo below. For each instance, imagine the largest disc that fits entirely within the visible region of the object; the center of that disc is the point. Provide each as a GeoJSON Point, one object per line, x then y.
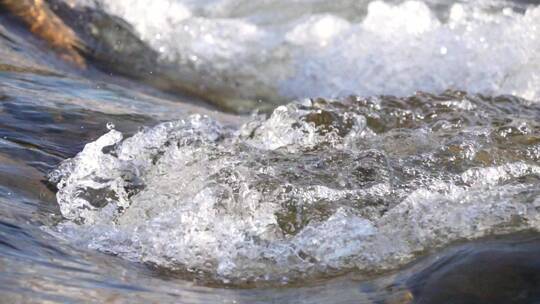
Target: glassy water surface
{"type": "Point", "coordinates": [112, 190]}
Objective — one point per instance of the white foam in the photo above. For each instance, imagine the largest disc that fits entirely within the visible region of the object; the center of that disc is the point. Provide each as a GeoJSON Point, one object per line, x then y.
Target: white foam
{"type": "Point", "coordinates": [250, 50]}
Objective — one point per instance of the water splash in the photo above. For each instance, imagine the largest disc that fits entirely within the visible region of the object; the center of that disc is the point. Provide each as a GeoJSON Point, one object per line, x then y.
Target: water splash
{"type": "Point", "coordinates": [320, 187]}
{"type": "Point", "coordinates": [236, 50]}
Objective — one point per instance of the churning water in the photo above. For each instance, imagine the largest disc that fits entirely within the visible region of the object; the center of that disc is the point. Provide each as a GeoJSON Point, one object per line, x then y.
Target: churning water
{"type": "Point", "coordinates": [318, 187]}
{"type": "Point", "coordinates": [335, 191]}
{"type": "Point", "coordinates": [276, 51]}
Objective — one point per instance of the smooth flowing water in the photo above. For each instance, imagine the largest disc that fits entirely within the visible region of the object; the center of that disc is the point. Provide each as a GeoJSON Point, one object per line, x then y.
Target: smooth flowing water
{"type": "Point", "coordinates": [142, 189]}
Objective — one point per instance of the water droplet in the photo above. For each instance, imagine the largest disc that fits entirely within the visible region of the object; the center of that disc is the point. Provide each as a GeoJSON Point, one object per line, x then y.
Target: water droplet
{"type": "Point", "coordinates": [443, 50]}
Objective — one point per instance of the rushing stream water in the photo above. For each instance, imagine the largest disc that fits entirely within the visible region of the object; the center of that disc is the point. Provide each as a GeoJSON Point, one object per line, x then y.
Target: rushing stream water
{"type": "Point", "coordinates": [142, 189]}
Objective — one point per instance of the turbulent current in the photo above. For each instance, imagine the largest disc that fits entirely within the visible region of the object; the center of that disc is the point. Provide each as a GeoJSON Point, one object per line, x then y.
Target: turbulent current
{"type": "Point", "coordinates": [271, 151]}
{"type": "Point", "coordinates": [317, 188]}
{"type": "Point", "coordinates": [236, 52]}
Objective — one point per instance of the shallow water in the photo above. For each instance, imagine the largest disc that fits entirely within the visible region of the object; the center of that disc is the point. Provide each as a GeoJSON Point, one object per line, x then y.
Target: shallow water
{"type": "Point", "coordinates": [431, 198]}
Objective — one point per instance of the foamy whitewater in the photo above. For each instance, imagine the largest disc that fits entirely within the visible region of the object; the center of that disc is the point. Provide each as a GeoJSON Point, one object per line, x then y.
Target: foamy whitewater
{"type": "Point", "coordinates": [321, 186]}
{"type": "Point", "coordinates": [277, 51]}
{"type": "Point", "coordinates": [318, 188]}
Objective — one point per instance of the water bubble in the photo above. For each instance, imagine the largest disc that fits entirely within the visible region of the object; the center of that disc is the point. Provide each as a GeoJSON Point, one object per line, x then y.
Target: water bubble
{"type": "Point", "coordinates": [443, 50]}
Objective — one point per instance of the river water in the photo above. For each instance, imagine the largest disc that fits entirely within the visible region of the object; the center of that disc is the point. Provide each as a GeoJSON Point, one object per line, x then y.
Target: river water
{"type": "Point", "coordinates": [231, 151]}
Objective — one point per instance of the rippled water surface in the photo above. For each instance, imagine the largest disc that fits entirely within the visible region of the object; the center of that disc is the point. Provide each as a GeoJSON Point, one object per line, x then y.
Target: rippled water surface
{"type": "Point", "coordinates": [335, 191]}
